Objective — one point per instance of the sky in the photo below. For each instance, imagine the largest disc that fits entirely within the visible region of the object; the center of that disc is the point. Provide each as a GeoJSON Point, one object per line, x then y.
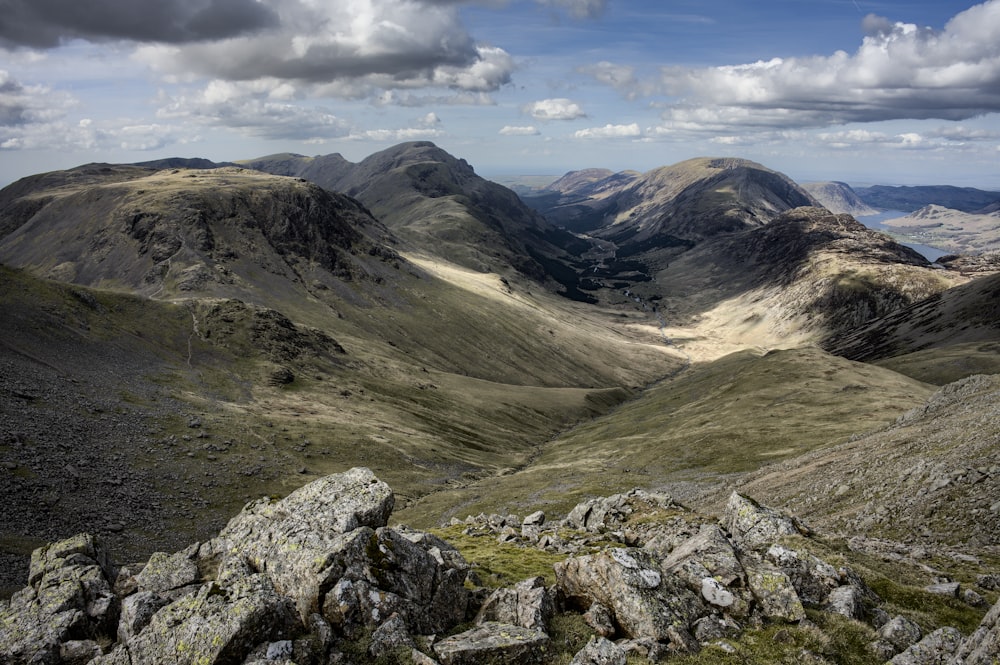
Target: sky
{"type": "Point", "coordinates": [888, 92]}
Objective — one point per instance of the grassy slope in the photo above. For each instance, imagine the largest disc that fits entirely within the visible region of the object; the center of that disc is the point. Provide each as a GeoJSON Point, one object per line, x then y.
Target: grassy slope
{"type": "Point", "coordinates": [729, 416]}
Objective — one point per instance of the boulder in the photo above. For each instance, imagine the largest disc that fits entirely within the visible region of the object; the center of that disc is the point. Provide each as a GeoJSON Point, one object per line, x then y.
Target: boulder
{"type": "Point", "coordinates": [775, 595]}
{"type": "Point", "coordinates": [812, 577]}
{"type": "Point", "coordinates": [295, 541]}
{"type": "Point", "coordinates": [216, 625]}
{"type": "Point", "coordinates": [611, 512]}
{"type": "Point", "coordinates": [753, 526]}
{"type": "Point", "coordinates": [644, 601]}
{"type": "Point", "coordinates": [493, 644]}
{"type": "Point", "coordinates": [528, 604]}
{"type": "Point", "coordinates": [937, 648]}
{"type": "Point", "coordinates": [846, 601]}
{"type": "Point", "coordinates": [599, 651]}
{"type": "Point", "coordinates": [983, 646]}
{"type": "Point", "coordinates": [708, 565]}
{"type": "Point", "coordinates": [69, 598]}
{"type": "Point", "coordinates": [901, 633]}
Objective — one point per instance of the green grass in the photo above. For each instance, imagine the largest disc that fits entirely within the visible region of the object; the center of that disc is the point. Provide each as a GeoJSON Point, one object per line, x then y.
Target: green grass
{"type": "Point", "coordinates": [501, 564]}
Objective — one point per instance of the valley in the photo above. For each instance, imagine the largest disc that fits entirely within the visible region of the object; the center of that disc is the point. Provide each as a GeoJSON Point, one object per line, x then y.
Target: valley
{"type": "Point", "coordinates": [176, 342]}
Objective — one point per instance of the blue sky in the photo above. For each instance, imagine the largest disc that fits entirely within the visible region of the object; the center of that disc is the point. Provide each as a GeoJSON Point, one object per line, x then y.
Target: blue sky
{"type": "Point", "coordinates": [887, 92]}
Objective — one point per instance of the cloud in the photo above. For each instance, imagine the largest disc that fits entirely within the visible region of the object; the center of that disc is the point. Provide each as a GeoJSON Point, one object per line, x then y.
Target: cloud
{"type": "Point", "coordinates": [396, 135]}
{"type": "Point", "coordinates": [259, 109]}
{"type": "Point", "coordinates": [510, 130]}
{"type": "Point", "coordinates": [22, 105]}
{"type": "Point", "coordinates": [900, 71]}
{"type": "Point", "coordinates": [347, 49]}
{"type": "Point", "coordinates": [555, 109]}
{"type": "Point", "coordinates": [34, 117]}
{"type": "Point", "coordinates": [48, 23]}
{"type": "Point", "coordinates": [609, 132]}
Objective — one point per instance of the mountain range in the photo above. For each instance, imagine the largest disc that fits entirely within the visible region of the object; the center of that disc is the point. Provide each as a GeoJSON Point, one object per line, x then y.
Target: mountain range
{"type": "Point", "coordinates": [179, 337]}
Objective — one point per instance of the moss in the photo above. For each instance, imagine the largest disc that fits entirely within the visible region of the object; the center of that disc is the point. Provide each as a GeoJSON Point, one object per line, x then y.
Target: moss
{"type": "Point", "coordinates": [501, 564]}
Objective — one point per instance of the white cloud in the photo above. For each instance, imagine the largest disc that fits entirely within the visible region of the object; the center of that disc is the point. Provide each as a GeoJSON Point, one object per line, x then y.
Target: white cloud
{"type": "Point", "coordinates": [555, 109]}
{"type": "Point", "coordinates": [510, 130]}
{"type": "Point", "coordinates": [609, 132]}
{"type": "Point", "coordinates": [349, 48]}
{"type": "Point", "coordinates": [395, 135]}
{"type": "Point", "coordinates": [250, 109]}
{"type": "Point", "coordinates": [900, 71]}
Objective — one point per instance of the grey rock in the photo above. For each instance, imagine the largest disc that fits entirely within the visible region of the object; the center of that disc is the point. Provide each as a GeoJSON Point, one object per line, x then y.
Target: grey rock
{"type": "Point", "coordinates": [608, 513]}
{"type": "Point", "coordinates": [493, 644]}
{"type": "Point", "coordinates": [812, 577]}
{"type": "Point", "coordinates": [166, 572]}
{"type": "Point", "coordinates": [949, 589]}
{"type": "Point", "coordinates": [983, 646]}
{"type": "Point", "coordinates": [78, 652]}
{"type": "Point", "coordinates": [528, 604]}
{"type": "Point", "coordinates": [599, 651]}
{"type": "Point", "coordinates": [989, 581]}
{"type": "Point", "coordinates": [845, 601]}
{"type": "Point", "coordinates": [970, 597]}
{"type": "Point", "coordinates": [645, 647]}
{"type": "Point", "coordinates": [381, 572]}
{"type": "Point", "coordinates": [712, 628]}
{"type": "Point", "coordinates": [937, 648]}
{"type": "Point", "coordinates": [280, 650]}
{"type": "Point", "coordinates": [391, 637]}
{"type": "Point", "coordinates": [69, 597]}
{"type": "Point", "coordinates": [753, 526]}
{"type": "Point", "coordinates": [536, 518]}
{"type": "Point", "coordinates": [645, 601]}
{"type": "Point", "coordinates": [774, 592]}
{"type": "Point", "coordinates": [901, 633]}
{"type": "Point", "coordinates": [300, 541]}
{"type": "Point", "coordinates": [215, 625]}
{"type": "Point", "coordinates": [137, 611]}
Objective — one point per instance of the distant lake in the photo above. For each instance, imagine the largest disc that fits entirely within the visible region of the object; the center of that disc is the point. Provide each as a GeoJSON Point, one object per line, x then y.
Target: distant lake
{"type": "Point", "coordinates": [878, 221]}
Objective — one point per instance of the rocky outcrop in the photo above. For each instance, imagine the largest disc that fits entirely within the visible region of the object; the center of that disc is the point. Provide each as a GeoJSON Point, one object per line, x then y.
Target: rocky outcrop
{"type": "Point", "coordinates": [315, 568]}
{"type": "Point", "coordinates": [318, 578]}
{"type": "Point", "coordinates": [67, 605]}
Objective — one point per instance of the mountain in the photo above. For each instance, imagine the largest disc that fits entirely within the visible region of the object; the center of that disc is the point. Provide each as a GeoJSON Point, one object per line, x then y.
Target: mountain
{"type": "Point", "coordinates": [438, 203]}
{"type": "Point", "coordinates": [677, 206]}
{"type": "Point", "coordinates": [908, 199]}
{"type": "Point", "coordinates": [838, 197]}
{"type": "Point", "coordinates": [952, 230]}
{"type": "Point", "coordinates": [579, 200]}
{"type": "Point", "coordinates": [194, 232]}
{"type": "Point", "coordinates": [939, 339]}
{"type": "Point", "coordinates": [323, 170]}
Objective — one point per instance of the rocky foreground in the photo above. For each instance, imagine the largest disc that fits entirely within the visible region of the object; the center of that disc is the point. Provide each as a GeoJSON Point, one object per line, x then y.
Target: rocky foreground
{"type": "Point", "coordinates": [319, 578]}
